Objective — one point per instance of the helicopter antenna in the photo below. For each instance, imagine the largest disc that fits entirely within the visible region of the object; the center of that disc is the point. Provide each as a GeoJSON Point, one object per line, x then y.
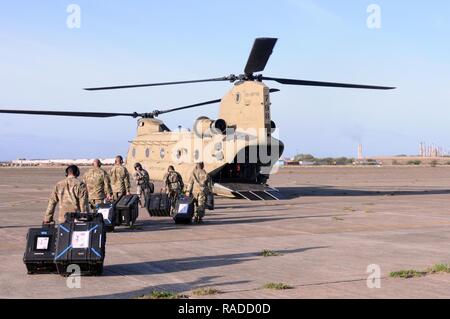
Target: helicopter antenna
{"type": "Point", "coordinates": [257, 61]}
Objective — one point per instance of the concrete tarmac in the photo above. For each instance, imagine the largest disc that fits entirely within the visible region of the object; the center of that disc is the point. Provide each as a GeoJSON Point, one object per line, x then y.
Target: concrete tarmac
{"type": "Point", "coordinates": [334, 223]}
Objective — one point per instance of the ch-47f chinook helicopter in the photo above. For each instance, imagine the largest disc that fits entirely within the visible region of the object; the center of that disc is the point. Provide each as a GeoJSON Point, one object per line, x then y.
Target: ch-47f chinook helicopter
{"type": "Point", "coordinates": [239, 148]}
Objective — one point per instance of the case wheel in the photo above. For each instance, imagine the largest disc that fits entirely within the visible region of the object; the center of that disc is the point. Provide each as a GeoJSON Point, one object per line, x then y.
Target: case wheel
{"type": "Point", "coordinates": [99, 270]}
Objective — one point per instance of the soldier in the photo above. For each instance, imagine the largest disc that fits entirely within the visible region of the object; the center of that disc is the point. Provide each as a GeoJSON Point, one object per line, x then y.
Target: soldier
{"type": "Point", "coordinates": [173, 183]}
{"type": "Point", "coordinates": [120, 179]}
{"type": "Point", "coordinates": [70, 193]}
{"type": "Point", "coordinates": [98, 184]}
{"type": "Point", "coordinates": [143, 184]}
{"type": "Point", "coordinates": [199, 186]}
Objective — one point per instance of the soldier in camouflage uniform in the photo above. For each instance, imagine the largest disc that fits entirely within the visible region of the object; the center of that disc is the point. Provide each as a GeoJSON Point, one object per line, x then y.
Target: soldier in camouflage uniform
{"type": "Point", "coordinates": [120, 179]}
{"type": "Point", "coordinates": [173, 183]}
{"type": "Point", "coordinates": [199, 186]}
{"type": "Point", "coordinates": [98, 184]}
{"type": "Point", "coordinates": [70, 193]}
{"type": "Point", "coordinates": [143, 184]}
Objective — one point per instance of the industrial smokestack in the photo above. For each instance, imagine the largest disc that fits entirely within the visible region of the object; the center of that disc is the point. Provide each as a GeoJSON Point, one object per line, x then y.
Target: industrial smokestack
{"type": "Point", "coordinates": [360, 152]}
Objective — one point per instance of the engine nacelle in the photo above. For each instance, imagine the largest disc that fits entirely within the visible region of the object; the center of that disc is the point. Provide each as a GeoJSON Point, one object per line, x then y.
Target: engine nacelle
{"type": "Point", "coordinates": [205, 127]}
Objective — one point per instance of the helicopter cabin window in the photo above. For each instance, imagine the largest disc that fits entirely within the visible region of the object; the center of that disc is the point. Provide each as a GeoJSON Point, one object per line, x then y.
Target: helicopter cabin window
{"type": "Point", "coordinates": [162, 153]}
{"type": "Point", "coordinates": [147, 152]}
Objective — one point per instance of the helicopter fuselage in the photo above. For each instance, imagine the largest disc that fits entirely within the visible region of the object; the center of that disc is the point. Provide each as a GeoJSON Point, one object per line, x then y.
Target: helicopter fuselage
{"type": "Point", "coordinates": [237, 148]}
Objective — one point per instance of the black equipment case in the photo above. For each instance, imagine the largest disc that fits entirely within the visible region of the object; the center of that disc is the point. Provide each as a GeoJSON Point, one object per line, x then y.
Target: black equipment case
{"type": "Point", "coordinates": [81, 241]}
{"type": "Point", "coordinates": [158, 205]}
{"type": "Point", "coordinates": [127, 210]}
{"type": "Point", "coordinates": [108, 211]}
{"type": "Point", "coordinates": [184, 210]}
{"type": "Point", "coordinates": [40, 250]}
{"type": "Point", "coordinates": [210, 201]}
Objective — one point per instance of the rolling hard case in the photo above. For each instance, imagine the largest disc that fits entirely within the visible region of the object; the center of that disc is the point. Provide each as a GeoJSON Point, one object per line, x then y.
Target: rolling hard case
{"type": "Point", "coordinates": [184, 210]}
{"type": "Point", "coordinates": [158, 205]}
{"type": "Point", "coordinates": [81, 241]}
{"type": "Point", "coordinates": [127, 210]}
{"type": "Point", "coordinates": [107, 210]}
{"type": "Point", "coordinates": [210, 201]}
{"type": "Point", "coordinates": [40, 250]}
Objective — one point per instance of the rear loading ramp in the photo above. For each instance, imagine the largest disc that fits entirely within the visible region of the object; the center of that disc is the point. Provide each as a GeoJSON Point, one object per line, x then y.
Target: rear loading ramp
{"type": "Point", "coordinates": [251, 192]}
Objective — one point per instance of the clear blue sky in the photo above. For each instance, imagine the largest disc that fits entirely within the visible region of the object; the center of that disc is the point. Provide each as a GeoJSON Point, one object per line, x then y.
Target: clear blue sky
{"type": "Point", "coordinates": [44, 65]}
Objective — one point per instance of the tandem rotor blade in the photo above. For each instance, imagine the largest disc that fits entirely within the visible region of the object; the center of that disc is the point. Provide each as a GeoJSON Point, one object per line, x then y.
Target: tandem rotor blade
{"type": "Point", "coordinates": [225, 78]}
{"type": "Point", "coordinates": [106, 114]}
{"type": "Point", "coordinates": [259, 55]}
{"type": "Point", "coordinates": [187, 107]}
{"type": "Point", "coordinates": [65, 113]}
{"type": "Point", "coordinates": [326, 84]}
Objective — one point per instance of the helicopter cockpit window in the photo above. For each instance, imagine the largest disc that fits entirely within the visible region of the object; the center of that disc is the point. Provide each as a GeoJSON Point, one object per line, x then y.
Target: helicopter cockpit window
{"type": "Point", "coordinates": [147, 152]}
{"type": "Point", "coordinates": [162, 153]}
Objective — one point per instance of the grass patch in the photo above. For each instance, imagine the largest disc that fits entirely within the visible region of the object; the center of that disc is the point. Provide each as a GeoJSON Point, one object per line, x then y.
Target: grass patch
{"type": "Point", "coordinates": [277, 286]}
{"type": "Point", "coordinates": [269, 253]}
{"type": "Point", "coordinates": [439, 268]}
{"type": "Point", "coordinates": [206, 291]}
{"type": "Point", "coordinates": [410, 273]}
{"type": "Point", "coordinates": [155, 294]}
